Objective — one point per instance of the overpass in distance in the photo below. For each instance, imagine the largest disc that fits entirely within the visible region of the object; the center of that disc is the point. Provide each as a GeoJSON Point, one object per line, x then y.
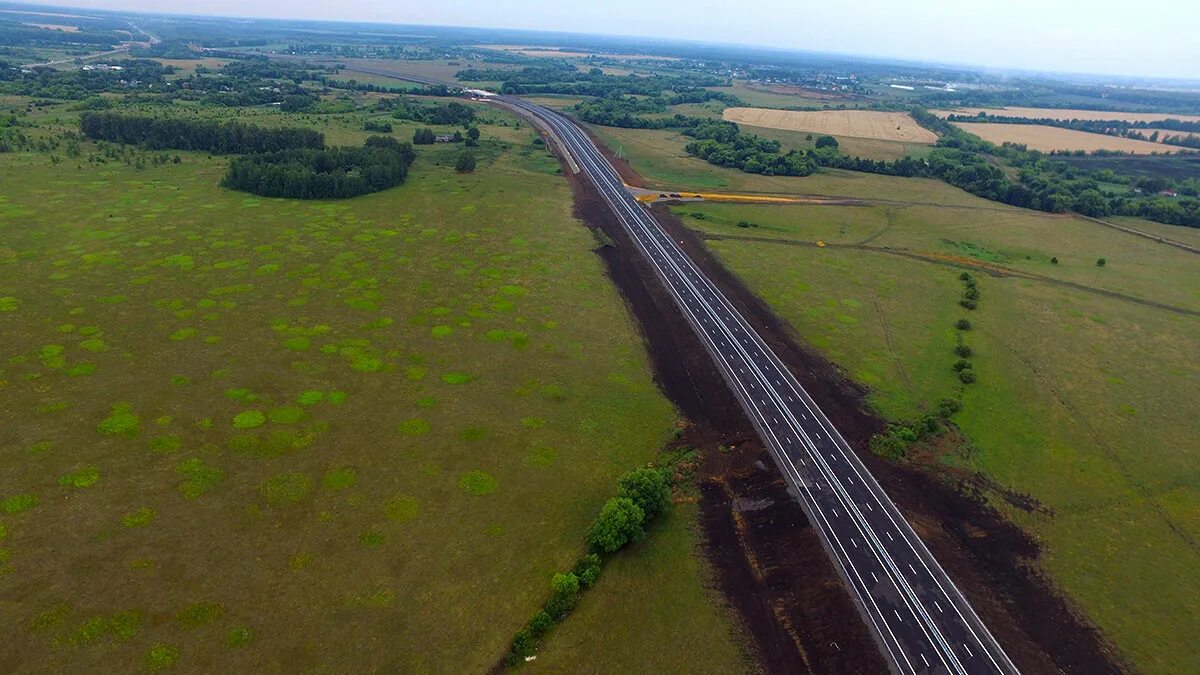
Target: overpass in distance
{"type": "Point", "coordinates": [920, 619]}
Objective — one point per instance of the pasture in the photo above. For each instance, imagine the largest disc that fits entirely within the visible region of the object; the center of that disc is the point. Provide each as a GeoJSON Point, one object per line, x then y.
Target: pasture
{"type": "Point", "coordinates": [1047, 138]}
{"type": "Point", "coordinates": [1085, 399]}
{"type": "Point", "coordinates": [261, 434]}
{"type": "Point", "coordinates": [884, 126]}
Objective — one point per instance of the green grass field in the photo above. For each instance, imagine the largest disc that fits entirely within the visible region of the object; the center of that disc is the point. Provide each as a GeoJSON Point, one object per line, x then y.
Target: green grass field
{"type": "Point", "coordinates": [856, 147]}
{"type": "Point", "coordinates": [658, 156]}
{"type": "Point", "coordinates": [1086, 401]}
{"type": "Point", "coordinates": [255, 434]}
{"type": "Point", "coordinates": [757, 97]}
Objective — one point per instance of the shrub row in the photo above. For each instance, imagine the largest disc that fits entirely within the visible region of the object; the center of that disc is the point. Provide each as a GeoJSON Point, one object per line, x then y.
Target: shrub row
{"type": "Point", "coordinates": [901, 436]}
{"type": "Point", "coordinates": [642, 495]}
{"type": "Point", "coordinates": [970, 300]}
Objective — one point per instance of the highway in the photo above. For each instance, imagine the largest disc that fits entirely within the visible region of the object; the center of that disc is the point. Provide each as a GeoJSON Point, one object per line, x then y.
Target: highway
{"type": "Point", "coordinates": [920, 619]}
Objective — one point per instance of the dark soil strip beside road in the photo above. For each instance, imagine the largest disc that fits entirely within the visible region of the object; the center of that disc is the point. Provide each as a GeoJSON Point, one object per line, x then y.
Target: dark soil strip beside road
{"type": "Point", "coordinates": [771, 567]}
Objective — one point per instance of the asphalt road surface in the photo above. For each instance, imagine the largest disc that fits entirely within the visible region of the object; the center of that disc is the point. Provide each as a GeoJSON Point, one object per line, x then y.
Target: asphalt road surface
{"type": "Point", "coordinates": [920, 619]}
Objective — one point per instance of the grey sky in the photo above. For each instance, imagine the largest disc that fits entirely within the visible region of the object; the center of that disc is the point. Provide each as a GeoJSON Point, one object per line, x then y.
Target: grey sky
{"type": "Point", "coordinates": [1153, 37]}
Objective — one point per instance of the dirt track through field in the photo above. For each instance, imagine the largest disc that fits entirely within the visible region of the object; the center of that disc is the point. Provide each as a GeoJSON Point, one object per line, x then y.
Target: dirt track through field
{"type": "Point", "coordinates": [884, 126]}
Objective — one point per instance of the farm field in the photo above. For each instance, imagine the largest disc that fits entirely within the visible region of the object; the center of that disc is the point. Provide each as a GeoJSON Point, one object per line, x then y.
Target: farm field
{"type": "Point", "coordinates": [1068, 114]}
{"type": "Point", "coordinates": [759, 97]}
{"type": "Point", "coordinates": [371, 78]}
{"type": "Point", "coordinates": [567, 52]}
{"type": "Point", "coordinates": [658, 156]}
{"type": "Point", "coordinates": [188, 66]}
{"type": "Point", "coordinates": [884, 126]}
{"type": "Point", "coordinates": [1084, 400]}
{"type": "Point", "coordinates": [1187, 235]}
{"type": "Point", "coordinates": [246, 433]}
{"type": "Point", "coordinates": [1046, 138]}
{"type": "Point", "coordinates": [441, 69]}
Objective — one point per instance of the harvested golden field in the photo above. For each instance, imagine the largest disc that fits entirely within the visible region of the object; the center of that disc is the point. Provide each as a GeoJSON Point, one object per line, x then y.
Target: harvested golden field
{"type": "Point", "coordinates": [1068, 114]}
{"type": "Point", "coordinates": [566, 53]}
{"type": "Point", "coordinates": [884, 126]}
{"type": "Point", "coordinates": [1044, 138]}
{"type": "Point", "coordinates": [55, 26]}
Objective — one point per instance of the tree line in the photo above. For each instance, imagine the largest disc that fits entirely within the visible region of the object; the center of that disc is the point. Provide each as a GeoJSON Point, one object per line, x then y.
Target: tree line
{"type": "Point", "coordinates": [961, 159]}
{"type": "Point", "coordinates": [333, 173]}
{"type": "Point", "coordinates": [449, 114]}
{"type": "Point", "coordinates": [723, 144]}
{"type": "Point", "coordinates": [565, 78]}
{"type": "Point", "coordinates": [628, 112]}
{"type": "Point", "coordinates": [182, 134]}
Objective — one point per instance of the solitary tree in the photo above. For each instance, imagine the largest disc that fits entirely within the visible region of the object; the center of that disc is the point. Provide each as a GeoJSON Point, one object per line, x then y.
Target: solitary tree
{"type": "Point", "coordinates": [827, 142]}
{"type": "Point", "coordinates": [648, 488]}
{"type": "Point", "coordinates": [1101, 262]}
{"type": "Point", "coordinates": [566, 594]}
{"type": "Point", "coordinates": [465, 163]}
{"type": "Point", "coordinates": [619, 523]}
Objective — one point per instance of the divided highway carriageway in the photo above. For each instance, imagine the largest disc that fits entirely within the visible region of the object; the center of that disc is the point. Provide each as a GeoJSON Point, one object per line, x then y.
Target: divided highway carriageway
{"type": "Point", "coordinates": [920, 619]}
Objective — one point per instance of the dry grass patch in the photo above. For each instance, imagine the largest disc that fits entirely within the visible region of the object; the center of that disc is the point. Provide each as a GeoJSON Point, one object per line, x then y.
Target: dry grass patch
{"type": "Point", "coordinates": [884, 126]}
{"type": "Point", "coordinates": [1045, 138]}
{"type": "Point", "coordinates": [1068, 114]}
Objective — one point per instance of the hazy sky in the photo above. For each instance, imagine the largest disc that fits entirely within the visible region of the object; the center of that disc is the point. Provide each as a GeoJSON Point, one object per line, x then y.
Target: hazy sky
{"type": "Point", "coordinates": [1151, 37]}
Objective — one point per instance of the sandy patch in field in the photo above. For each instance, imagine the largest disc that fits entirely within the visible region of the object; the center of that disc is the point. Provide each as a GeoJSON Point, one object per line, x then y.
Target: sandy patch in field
{"type": "Point", "coordinates": [885, 126]}
{"type": "Point", "coordinates": [1044, 138]}
{"type": "Point", "coordinates": [1068, 114]}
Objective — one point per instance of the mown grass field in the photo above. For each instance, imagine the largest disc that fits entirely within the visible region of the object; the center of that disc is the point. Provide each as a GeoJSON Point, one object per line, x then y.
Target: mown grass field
{"type": "Point", "coordinates": [254, 434]}
{"type": "Point", "coordinates": [1086, 401]}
